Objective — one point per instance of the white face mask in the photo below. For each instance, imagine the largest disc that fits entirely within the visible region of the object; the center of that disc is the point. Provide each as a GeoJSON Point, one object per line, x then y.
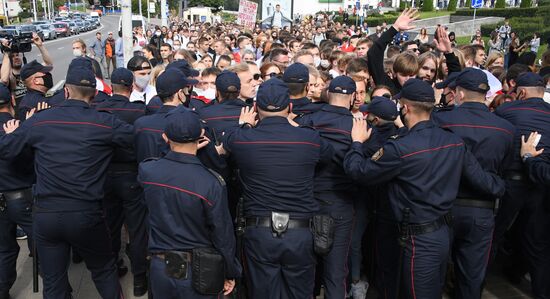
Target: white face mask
{"type": "Point", "coordinates": [209, 93]}
{"type": "Point", "coordinates": [316, 61]}
{"type": "Point", "coordinates": [249, 47]}
{"type": "Point", "coordinates": [177, 48]}
{"type": "Point", "coordinates": [157, 33]}
{"type": "Point", "coordinates": [325, 63]}
{"type": "Point", "coordinates": [142, 81]}
{"type": "Point", "coordinates": [77, 53]}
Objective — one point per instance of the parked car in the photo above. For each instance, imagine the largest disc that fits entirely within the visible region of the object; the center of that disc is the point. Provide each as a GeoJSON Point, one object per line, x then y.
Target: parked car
{"type": "Point", "coordinates": [62, 29]}
{"type": "Point", "coordinates": [49, 31]}
{"type": "Point", "coordinates": [33, 28]}
{"type": "Point", "coordinates": [74, 28]}
{"type": "Point", "coordinates": [43, 22]}
{"type": "Point", "coordinates": [88, 25]}
{"type": "Point", "coordinates": [58, 19]}
{"type": "Point", "coordinates": [81, 26]}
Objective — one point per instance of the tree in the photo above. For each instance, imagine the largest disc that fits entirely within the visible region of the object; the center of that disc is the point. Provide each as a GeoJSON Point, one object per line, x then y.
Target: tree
{"type": "Point", "coordinates": [452, 5]}
{"type": "Point", "coordinates": [500, 4]}
{"type": "Point", "coordinates": [525, 3]}
{"type": "Point", "coordinates": [207, 3]}
{"type": "Point", "coordinates": [428, 5]}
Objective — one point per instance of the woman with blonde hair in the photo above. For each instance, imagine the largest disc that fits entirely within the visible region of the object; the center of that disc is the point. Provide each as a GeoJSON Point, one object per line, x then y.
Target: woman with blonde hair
{"type": "Point", "coordinates": [155, 73]}
{"type": "Point", "coordinates": [494, 59]}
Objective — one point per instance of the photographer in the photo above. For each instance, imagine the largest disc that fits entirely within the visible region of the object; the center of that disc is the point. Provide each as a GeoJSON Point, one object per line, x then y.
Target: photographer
{"type": "Point", "coordinates": [11, 67]}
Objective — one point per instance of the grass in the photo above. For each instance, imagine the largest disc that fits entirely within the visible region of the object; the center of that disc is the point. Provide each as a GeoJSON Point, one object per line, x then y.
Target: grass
{"type": "Point", "coordinates": [433, 14]}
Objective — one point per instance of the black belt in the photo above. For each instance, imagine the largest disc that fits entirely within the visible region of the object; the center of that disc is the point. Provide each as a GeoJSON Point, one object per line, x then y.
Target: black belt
{"type": "Point", "coordinates": [475, 203]}
{"type": "Point", "coordinates": [266, 222]}
{"type": "Point", "coordinates": [18, 194]}
{"type": "Point", "coordinates": [425, 228]}
{"type": "Point", "coordinates": [186, 255]}
{"type": "Point", "coordinates": [515, 176]}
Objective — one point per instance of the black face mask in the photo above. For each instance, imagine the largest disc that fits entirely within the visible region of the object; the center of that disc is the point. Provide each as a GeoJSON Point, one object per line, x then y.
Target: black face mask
{"type": "Point", "coordinates": [443, 100]}
{"type": "Point", "coordinates": [402, 116]}
{"type": "Point", "coordinates": [48, 80]}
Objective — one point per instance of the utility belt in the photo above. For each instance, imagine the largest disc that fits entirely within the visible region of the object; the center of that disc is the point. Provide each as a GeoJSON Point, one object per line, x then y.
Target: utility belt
{"type": "Point", "coordinates": [207, 266]}
{"type": "Point", "coordinates": [22, 194]}
{"type": "Point", "coordinates": [123, 167]}
{"type": "Point", "coordinates": [425, 228]}
{"type": "Point", "coordinates": [477, 203]}
{"type": "Point", "coordinates": [321, 226]}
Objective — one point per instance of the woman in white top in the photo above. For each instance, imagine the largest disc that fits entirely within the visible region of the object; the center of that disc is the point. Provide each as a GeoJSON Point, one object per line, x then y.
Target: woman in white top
{"type": "Point", "coordinates": [423, 37]}
{"type": "Point", "coordinates": [535, 43]}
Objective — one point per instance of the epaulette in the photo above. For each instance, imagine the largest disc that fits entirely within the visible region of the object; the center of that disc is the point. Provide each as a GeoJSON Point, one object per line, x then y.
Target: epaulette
{"type": "Point", "coordinates": [394, 136]}
{"type": "Point", "coordinates": [218, 176]}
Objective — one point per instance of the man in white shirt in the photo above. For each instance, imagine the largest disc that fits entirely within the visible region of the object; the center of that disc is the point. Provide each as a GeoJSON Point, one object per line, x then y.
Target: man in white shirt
{"type": "Point", "coordinates": [277, 20]}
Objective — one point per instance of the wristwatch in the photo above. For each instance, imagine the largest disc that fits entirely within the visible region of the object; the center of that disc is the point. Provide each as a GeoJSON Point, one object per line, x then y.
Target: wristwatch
{"type": "Point", "coordinates": [526, 156]}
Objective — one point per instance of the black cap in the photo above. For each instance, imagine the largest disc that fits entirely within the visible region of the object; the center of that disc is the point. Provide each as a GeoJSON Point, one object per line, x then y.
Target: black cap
{"type": "Point", "coordinates": [122, 76]}
{"type": "Point", "coordinates": [183, 125]}
{"type": "Point", "coordinates": [296, 73]}
{"type": "Point", "coordinates": [32, 68]}
{"type": "Point", "coordinates": [381, 107]}
{"type": "Point", "coordinates": [5, 94]}
{"type": "Point", "coordinates": [273, 95]}
{"type": "Point", "coordinates": [81, 73]}
{"type": "Point", "coordinates": [170, 81]}
{"type": "Point", "coordinates": [472, 79]}
{"type": "Point", "coordinates": [342, 84]}
{"type": "Point", "coordinates": [449, 81]}
{"type": "Point", "coordinates": [417, 90]}
{"type": "Point", "coordinates": [530, 80]}
{"type": "Point", "coordinates": [228, 82]}
{"type": "Point", "coordinates": [183, 66]}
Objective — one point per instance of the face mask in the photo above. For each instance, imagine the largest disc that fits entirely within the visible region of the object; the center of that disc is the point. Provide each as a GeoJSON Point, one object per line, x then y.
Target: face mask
{"type": "Point", "coordinates": [157, 33]}
{"type": "Point", "coordinates": [142, 81]}
{"type": "Point", "coordinates": [325, 63]}
{"type": "Point", "coordinates": [209, 93]}
{"type": "Point", "coordinates": [48, 80]}
{"type": "Point", "coordinates": [402, 116]}
{"type": "Point", "coordinates": [176, 48]}
{"type": "Point", "coordinates": [317, 61]}
{"type": "Point", "coordinates": [77, 53]}
{"type": "Point", "coordinates": [249, 47]}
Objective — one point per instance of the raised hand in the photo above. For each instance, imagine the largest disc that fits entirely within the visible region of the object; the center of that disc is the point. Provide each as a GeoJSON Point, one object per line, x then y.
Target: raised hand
{"type": "Point", "coordinates": [360, 132]}
{"type": "Point", "coordinates": [36, 39]}
{"type": "Point", "coordinates": [203, 142]}
{"type": "Point", "coordinates": [404, 22]}
{"type": "Point", "coordinates": [248, 116]}
{"type": "Point", "coordinates": [442, 42]}
{"type": "Point", "coordinates": [10, 126]}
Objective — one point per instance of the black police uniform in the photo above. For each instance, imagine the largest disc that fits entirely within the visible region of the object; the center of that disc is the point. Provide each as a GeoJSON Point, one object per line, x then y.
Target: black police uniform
{"type": "Point", "coordinates": [72, 146]}
{"type": "Point", "coordinates": [123, 202]}
{"type": "Point", "coordinates": [186, 212]}
{"type": "Point", "coordinates": [16, 179]}
{"type": "Point", "coordinates": [525, 200]}
{"type": "Point", "coordinates": [32, 97]}
{"type": "Point", "coordinates": [298, 73]}
{"type": "Point", "coordinates": [420, 169]}
{"type": "Point", "coordinates": [277, 165]}
{"type": "Point", "coordinates": [539, 170]}
{"type": "Point", "coordinates": [473, 212]}
{"type": "Point", "coordinates": [334, 190]}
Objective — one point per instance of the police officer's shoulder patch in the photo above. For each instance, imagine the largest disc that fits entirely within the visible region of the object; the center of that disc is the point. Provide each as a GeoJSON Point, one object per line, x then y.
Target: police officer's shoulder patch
{"type": "Point", "coordinates": [217, 176]}
{"type": "Point", "coordinates": [378, 155]}
{"type": "Point", "coordinates": [394, 137]}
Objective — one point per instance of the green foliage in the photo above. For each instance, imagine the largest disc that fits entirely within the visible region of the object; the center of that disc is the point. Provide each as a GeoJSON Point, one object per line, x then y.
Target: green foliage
{"type": "Point", "coordinates": [371, 20]}
{"type": "Point", "coordinates": [427, 5]}
{"type": "Point", "coordinates": [402, 5]}
{"type": "Point", "coordinates": [452, 5]}
{"type": "Point", "coordinates": [25, 14]}
{"type": "Point", "coordinates": [498, 12]}
{"type": "Point", "coordinates": [544, 3]}
{"type": "Point", "coordinates": [525, 3]}
{"type": "Point", "coordinates": [207, 3]}
{"type": "Point", "coordinates": [228, 17]}
{"type": "Point", "coordinates": [500, 4]}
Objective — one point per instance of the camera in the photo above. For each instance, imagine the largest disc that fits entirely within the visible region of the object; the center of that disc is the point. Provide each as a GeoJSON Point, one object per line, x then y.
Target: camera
{"type": "Point", "coordinates": [20, 43]}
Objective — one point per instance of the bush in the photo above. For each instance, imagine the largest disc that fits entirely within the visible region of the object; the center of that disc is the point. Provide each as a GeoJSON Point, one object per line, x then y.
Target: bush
{"type": "Point", "coordinates": [402, 5]}
{"type": "Point", "coordinates": [544, 3]}
{"type": "Point", "coordinates": [498, 12]}
{"type": "Point", "coordinates": [452, 5]}
{"type": "Point", "coordinates": [428, 5]}
{"type": "Point", "coordinates": [500, 4]}
{"type": "Point", "coordinates": [373, 21]}
{"type": "Point", "coordinates": [525, 3]}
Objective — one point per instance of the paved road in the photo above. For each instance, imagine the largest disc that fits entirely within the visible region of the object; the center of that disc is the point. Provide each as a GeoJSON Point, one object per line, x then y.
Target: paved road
{"type": "Point", "coordinates": [61, 49]}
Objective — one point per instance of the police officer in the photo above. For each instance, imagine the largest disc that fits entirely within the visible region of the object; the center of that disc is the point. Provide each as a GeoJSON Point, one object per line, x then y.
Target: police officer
{"type": "Point", "coordinates": [38, 80]}
{"type": "Point", "coordinates": [71, 170]}
{"type": "Point", "coordinates": [525, 200]}
{"type": "Point", "coordinates": [123, 196]}
{"type": "Point", "coordinates": [423, 179]}
{"type": "Point", "coordinates": [16, 179]}
{"type": "Point", "coordinates": [148, 129]}
{"type": "Point", "coordinates": [187, 213]}
{"type": "Point", "coordinates": [224, 117]}
{"type": "Point", "coordinates": [296, 78]}
{"type": "Point", "coordinates": [473, 212]}
{"type": "Point", "coordinates": [277, 165]}
{"type": "Point", "coordinates": [333, 189]}
{"type": "Point", "coordinates": [538, 167]}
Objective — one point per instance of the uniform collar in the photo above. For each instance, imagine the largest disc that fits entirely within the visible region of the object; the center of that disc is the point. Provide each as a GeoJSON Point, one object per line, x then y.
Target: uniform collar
{"type": "Point", "coordinates": [426, 124]}
{"type": "Point", "coordinates": [182, 158]}
{"type": "Point", "coordinates": [118, 97]}
{"type": "Point", "coordinates": [274, 120]}
{"type": "Point", "coordinates": [337, 109]}
{"type": "Point", "coordinates": [533, 100]}
{"type": "Point", "coordinates": [300, 102]}
{"type": "Point", "coordinates": [234, 102]}
{"type": "Point", "coordinates": [474, 105]}
{"type": "Point", "coordinates": [166, 108]}
{"type": "Point", "coordinates": [74, 103]}
{"type": "Point", "coordinates": [29, 90]}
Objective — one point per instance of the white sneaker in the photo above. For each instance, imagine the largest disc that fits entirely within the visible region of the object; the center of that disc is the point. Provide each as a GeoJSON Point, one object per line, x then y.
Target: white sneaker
{"type": "Point", "coordinates": [359, 289]}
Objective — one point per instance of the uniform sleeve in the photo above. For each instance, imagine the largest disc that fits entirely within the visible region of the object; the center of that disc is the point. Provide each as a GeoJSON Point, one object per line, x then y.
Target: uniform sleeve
{"type": "Point", "coordinates": [221, 227]}
{"type": "Point", "coordinates": [486, 182]}
{"type": "Point", "coordinates": [383, 166]}
{"type": "Point", "coordinates": [123, 134]}
{"type": "Point", "coordinates": [375, 57]}
{"type": "Point", "coordinates": [539, 170]}
{"type": "Point", "coordinates": [453, 64]}
{"type": "Point", "coordinates": [11, 145]}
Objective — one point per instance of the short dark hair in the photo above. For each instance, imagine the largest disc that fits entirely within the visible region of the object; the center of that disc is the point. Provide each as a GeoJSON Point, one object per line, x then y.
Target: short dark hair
{"type": "Point", "coordinates": [357, 65]}
{"type": "Point", "coordinates": [166, 45]}
{"type": "Point", "coordinates": [406, 44]}
{"type": "Point", "coordinates": [211, 71]}
{"type": "Point", "coordinates": [229, 95]}
{"type": "Point", "coordinates": [515, 70]}
{"type": "Point", "coordinates": [295, 89]}
{"type": "Point", "coordinates": [308, 46]}
{"type": "Point", "coordinates": [277, 52]}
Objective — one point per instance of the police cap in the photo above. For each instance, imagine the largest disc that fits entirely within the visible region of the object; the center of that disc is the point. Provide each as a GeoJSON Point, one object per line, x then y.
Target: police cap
{"type": "Point", "coordinates": [417, 90]}
{"type": "Point", "coordinates": [472, 79]}
{"type": "Point", "coordinates": [122, 76]}
{"type": "Point", "coordinates": [342, 84]}
{"type": "Point", "coordinates": [228, 82]}
{"type": "Point", "coordinates": [170, 81]}
{"type": "Point", "coordinates": [530, 80]}
{"type": "Point", "coordinates": [273, 95]}
{"type": "Point", "coordinates": [381, 107]}
{"type": "Point", "coordinates": [32, 68]}
{"type": "Point", "coordinates": [5, 95]}
{"type": "Point", "coordinates": [183, 125]}
{"type": "Point", "coordinates": [81, 73]}
{"type": "Point", "coordinates": [296, 73]}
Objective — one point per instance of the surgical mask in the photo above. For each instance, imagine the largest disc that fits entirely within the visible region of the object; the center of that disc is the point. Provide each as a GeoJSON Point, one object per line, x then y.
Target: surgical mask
{"type": "Point", "coordinates": [176, 48]}
{"type": "Point", "coordinates": [157, 33]}
{"type": "Point", "coordinates": [77, 53]}
{"type": "Point", "coordinates": [143, 81]}
{"type": "Point", "coordinates": [317, 61]}
{"type": "Point", "coordinates": [325, 63]}
{"type": "Point", "coordinates": [249, 47]}
{"type": "Point", "coordinates": [209, 93]}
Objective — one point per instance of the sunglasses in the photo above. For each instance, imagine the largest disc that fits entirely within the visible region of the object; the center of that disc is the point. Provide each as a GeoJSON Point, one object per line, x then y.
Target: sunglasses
{"type": "Point", "coordinates": [275, 75]}
{"type": "Point", "coordinates": [257, 76]}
